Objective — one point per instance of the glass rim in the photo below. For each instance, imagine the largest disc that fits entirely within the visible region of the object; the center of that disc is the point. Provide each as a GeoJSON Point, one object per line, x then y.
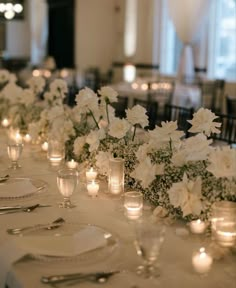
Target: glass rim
{"type": "Point", "coordinates": [67, 171]}
{"type": "Point", "coordinates": [133, 193]}
{"type": "Point", "coordinates": [117, 159]}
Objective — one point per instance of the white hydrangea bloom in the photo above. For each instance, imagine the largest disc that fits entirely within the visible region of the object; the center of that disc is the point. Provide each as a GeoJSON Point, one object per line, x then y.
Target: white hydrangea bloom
{"type": "Point", "coordinates": [223, 162]}
{"type": "Point", "coordinates": [137, 115]}
{"type": "Point", "coordinates": [202, 122]}
{"type": "Point", "coordinates": [55, 112]}
{"type": "Point", "coordinates": [187, 196]}
{"type": "Point", "coordinates": [27, 97]}
{"type": "Point", "coordinates": [118, 128]}
{"type": "Point", "coordinates": [108, 93]}
{"type": "Point", "coordinates": [12, 93]}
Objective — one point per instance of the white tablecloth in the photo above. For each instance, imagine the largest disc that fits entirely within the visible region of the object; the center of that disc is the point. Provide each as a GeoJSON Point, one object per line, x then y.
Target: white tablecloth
{"type": "Point", "coordinates": [175, 259]}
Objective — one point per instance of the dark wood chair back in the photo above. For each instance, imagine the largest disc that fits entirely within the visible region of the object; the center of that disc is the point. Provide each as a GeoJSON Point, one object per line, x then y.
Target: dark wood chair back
{"type": "Point", "coordinates": [228, 128]}
{"type": "Point", "coordinates": [230, 106]}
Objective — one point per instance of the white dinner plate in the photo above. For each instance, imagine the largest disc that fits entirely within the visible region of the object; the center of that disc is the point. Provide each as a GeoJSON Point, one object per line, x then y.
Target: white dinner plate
{"type": "Point", "coordinates": [71, 241]}
{"type": "Point", "coordinates": [15, 188]}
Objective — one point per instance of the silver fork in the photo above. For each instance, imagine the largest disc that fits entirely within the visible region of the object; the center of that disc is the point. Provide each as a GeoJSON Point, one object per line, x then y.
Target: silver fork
{"type": "Point", "coordinates": [71, 279]}
{"type": "Point", "coordinates": [55, 224]}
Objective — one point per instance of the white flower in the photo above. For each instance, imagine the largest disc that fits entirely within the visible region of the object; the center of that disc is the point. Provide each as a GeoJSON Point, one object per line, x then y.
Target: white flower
{"type": "Point", "coordinates": [102, 162]}
{"type": "Point", "coordinates": [187, 196]}
{"type": "Point", "coordinates": [12, 92]}
{"type": "Point", "coordinates": [27, 97]}
{"type": "Point", "coordinates": [87, 100]}
{"type": "Point", "coordinates": [142, 152]}
{"type": "Point", "coordinates": [76, 114]}
{"type": "Point", "coordinates": [163, 135]}
{"type": "Point", "coordinates": [37, 84]}
{"type": "Point", "coordinates": [4, 76]}
{"type": "Point", "coordinates": [59, 87]}
{"type": "Point", "coordinates": [194, 148]}
{"type": "Point", "coordinates": [202, 122]}
{"type": "Point", "coordinates": [109, 94]}
{"type": "Point", "coordinates": [118, 128]}
{"type": "Point", "coordinates": [145, 172]}
{"type": "Point", "coordinates": [79, 145]}
{"type": "Point", "coordinates": [223, 162]}
{"type": "Point", "coordinates": [93, 139]}
{"type": "Point", "coordinates": [103, 112]}
{"type": "Point", "coordinates": [137, 115]}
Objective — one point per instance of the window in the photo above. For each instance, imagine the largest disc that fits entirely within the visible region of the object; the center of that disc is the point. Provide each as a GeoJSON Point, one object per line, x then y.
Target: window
{"type": "Point", "coordinates": [223, 34]}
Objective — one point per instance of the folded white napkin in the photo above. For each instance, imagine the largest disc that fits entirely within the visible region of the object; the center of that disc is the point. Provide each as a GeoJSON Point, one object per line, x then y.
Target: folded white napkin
{"type": "Point", "coordinates": [19, 188]}
{"type": "Point", "coordinates": [87, 239]}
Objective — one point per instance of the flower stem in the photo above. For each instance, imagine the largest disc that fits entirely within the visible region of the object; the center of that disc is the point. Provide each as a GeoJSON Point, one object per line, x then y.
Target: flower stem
{"type": "Point", "coordinates": [108, 120]}
{"type": "Point", "coordinates": [135, 127]}
{"type": "Point", "coordinates": [94, 118]}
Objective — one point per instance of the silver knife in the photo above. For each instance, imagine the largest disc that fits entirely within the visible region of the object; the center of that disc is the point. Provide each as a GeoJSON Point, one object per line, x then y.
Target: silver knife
{"type": "Point", "coordinates": [18, 207]}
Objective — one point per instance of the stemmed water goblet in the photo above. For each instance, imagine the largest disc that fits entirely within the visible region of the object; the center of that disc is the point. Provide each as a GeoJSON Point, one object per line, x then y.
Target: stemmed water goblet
{"type": "Point", "coordinates": [149, 239]}
{"type": "Point", "coordinates": [14, 151]}
{"type": "Point", "coordinates": [67, 180]}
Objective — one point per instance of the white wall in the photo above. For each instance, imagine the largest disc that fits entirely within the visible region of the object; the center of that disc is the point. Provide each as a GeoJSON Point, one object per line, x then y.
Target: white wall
{"type": "Point", "coordinates": [18, 37]}
{"type": "Point", "coordinates": [96, 34]}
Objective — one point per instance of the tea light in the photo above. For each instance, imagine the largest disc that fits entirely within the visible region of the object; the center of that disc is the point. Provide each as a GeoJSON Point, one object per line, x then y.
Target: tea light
{"type": "Point", "coordinates": [91, 174]}
{"type": "Point", "coordinates": [93, 188]}
{"type": "Point", "coordinates": [27, 138]}
{"type": "Point", "coordinates": [225, 233]}
{"type": "Point", "coordinates": [5, 123]}
{"type": "Point", "coordinates": [202, 261]}
{"type": "Point", "coordinates": [72, 164]}
{"type": "Point", "coordinates": [133, 203]}
{"type": "Point", "coordinates": [18, 138]}
{"type": "Point", "coordinates": [45, 146]}
{"type": "Point", "coordinates": [197, 226]}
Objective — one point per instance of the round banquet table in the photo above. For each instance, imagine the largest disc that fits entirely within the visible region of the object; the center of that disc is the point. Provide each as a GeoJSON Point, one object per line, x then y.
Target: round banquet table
{"type": "Point", "coordinates": [103, 211]}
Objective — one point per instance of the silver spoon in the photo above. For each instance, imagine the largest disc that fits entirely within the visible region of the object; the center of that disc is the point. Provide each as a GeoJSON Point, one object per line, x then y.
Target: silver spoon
{"type": "Point", "coordinates": [55, 224]}
{"type": "Point", "coordinates": [4, 178]}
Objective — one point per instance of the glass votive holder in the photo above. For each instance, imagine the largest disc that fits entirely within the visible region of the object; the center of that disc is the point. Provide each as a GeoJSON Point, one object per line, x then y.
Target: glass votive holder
{"type": "Point", "coordinates": [222, 211]}
{"type": "Point", "coordinates": [92, 188]}
{"type": "Point", "coordinates": [14, 151]}
{"type": "Point", "coordinates": [202, 261]}
{"type": "Point", "coordinates": [56, 152]}
{"type": "Point", "coordinates": [225, 233]}
{"type": "Point", "coordinates": [133, 204]}
{"type": "Point", "coordinates": [116, 176]}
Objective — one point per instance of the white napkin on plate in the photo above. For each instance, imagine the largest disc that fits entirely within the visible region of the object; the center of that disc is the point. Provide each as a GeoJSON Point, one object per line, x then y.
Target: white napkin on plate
{"type": "Point", "coordinates": [19, 188]}
{"type": "Point", "coordinates": [87, 239]}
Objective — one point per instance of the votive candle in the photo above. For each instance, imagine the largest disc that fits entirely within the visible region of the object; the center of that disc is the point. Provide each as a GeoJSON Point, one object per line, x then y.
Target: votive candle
{"type": "Point", "coordinates": [72, 164]}
{"type": "Point", "coordinates": [133, 204]}
{"type": "Point", "coordinates": [27, 138]}
{"type": "Point", "coordinates": [202, 261]}
{"type": "Point", "coordinates": [225, 233]}
{"type": "Point", "coordinates": [197, 226]}
{"type": "Point", "coordinates": [91, 174]}
{"type": "Point", "coordinates": [92, 188]}
{"type": "Point", "coordinates": [5, 123]}
{"type": "Point", "coordinates": [45, 146]}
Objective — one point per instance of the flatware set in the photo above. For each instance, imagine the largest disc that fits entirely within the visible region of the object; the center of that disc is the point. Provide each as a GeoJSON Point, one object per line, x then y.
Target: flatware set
{"type": "Point", "coordinates": [13, 209]}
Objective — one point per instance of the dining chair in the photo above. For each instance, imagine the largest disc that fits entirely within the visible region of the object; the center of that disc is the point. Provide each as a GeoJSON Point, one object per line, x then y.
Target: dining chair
{"type": "Point", "coordinates": [120, 106]}
{"type": "Point", "coordinates": [228, 128]}
{"type": "Point", "coordinates": [212, 94]}
{"type": "Point", "coordinates": [152, 108]}
{"type": "Point", "coordinates": [181, 114]}
{"type": "Point", "coordinates": [231, 105]}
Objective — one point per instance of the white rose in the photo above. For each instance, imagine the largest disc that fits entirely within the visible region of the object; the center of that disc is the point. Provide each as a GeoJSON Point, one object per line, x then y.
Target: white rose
{"type": "Point", "coordinates": [145, 172]}
{"type": "Point", "coordinates": [118, 128]}
{"type": "Point", "coordinates": [87, 101]}
{"type": "Point", "coordinates": [93, 139]}
{"type": "Point", "coordinates": [79, 145]}
{"type": "Point", "coordinates": [137, 115]}
{"type": "Point", "coordinates": [102, 162]}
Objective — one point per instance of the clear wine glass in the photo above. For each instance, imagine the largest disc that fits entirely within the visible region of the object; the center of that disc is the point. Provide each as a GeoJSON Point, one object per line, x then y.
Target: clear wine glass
{"type": "Point", "coordinates": [149, 239]}
{"type": "Point", "coordinates": [67, 180]}
{"type": "Point", "coordinates": [14, 151]}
